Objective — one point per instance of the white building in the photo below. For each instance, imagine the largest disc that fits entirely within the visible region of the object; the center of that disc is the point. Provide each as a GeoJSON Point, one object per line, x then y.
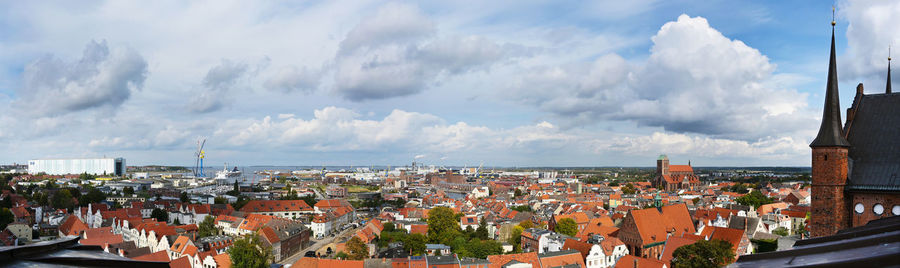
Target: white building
{"type": "Point", "coordinates": [95, 166]}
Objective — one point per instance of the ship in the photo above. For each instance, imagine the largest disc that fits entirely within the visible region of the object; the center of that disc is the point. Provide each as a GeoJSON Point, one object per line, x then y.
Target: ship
{"type": "Point", "coordinates": [228, 176]}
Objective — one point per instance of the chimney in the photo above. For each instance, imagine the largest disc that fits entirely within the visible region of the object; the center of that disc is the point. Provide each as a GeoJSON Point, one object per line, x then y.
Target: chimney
{"type": "Point", "coordinates": [635, 262]}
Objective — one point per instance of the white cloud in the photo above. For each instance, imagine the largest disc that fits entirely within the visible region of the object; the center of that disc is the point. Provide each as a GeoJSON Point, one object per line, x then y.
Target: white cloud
{"type": "Point", "coordinates": [695, 81]}
{"type": "Point", "coordinates": [217, 87]}
{"type": "Point", "coordinates": [101, 77]}
{"type": "Point", "coordinates": [392, 54]}
{"type": "Point", "coordinates": [777, 148]}
{"type": "Point", "coordinates": [872, 28]}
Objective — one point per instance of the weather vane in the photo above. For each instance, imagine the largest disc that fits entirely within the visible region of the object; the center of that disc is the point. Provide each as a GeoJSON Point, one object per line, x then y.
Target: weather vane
{"type": "Point", "coordinates": [832, 15]}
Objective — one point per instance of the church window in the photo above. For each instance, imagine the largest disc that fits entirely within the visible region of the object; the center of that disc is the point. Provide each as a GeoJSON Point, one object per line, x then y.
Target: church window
{"type": "Point", "coordinates": [878, 209]}
{"type": "Point", "coordinates": [859, 208]}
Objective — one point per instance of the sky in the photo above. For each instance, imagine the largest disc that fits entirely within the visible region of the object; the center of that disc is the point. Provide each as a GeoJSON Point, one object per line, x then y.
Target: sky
{"type": "Point", "coordinates": [504, 83]}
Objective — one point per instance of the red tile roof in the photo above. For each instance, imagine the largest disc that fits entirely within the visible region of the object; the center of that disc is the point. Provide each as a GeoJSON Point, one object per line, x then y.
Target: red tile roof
{"type": "Point", "coordinates": [681, 168]}
{"type": "Point", "coordinates": [182, 262]}
{"type": "Point", "coordinates": [654, 226]}
{"type": "Point", "coordinates": [497, 261]}
{"type": "Point", "coordinates": [562, 260]}
{"type": "Point", "coordinates": [72, 226]}
{"type": "Point", "coordinates": [159, 256]}
{"type": "Point", "coordinates": [629, 261]}
{"type": "Point", "coordinates": [224, 260]}
{"type": "Point", "coordinates": [672, 244]}
{"type": "Point", "coordinates": [276, 206]}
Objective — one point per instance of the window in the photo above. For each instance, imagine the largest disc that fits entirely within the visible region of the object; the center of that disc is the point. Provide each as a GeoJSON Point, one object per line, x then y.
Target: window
{"type": "Point", "coordinates": [859, 208]}
{"type": "Point", "coordinates": [878, 209]}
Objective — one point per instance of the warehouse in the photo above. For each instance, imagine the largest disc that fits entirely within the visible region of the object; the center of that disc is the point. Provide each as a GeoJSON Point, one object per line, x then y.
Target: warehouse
{"type": "Point", "coordinates": [95, 166]}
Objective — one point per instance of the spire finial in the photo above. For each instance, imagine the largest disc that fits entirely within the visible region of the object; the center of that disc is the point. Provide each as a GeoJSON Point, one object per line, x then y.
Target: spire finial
{"type": "Point", "coordinates": [887, 87]}
{"type": "Point", "coordinates": [832, 16]}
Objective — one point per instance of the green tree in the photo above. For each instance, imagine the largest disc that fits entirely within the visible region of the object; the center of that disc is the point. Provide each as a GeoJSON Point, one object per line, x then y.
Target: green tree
{"type": "Point", "coordinates": [518, 192]}
{"type": "Point", "coordinates": [160, 215]}
{"type": "Point", "coordinates": [220, 200]}
{"type": "Point", "coordinates": [443, 225]}
{"type": "Point", "coordinates": [755, 199]}
{"type": "Point", "coordinates": [128, 191]}
{"type": "Point", "coordinates": [515, 237]}
{"type": "Point", "coordinates": [63, 199]}
{"type": "Point", "coordinates": [249, 251]}
{"type": "Point", "coordinates": [482, 232]}
{"type": "Point", "coordinates": [704, 253]}
{"type": "Point", "coordinates": [358, 250]}
{"type": "Point", "coordinates": [341, 255]}
{"type": "Point", "coordinates": [415, 244]}
{"type": "Point", "coordinates": [629, 189]}
{"type": "Point", "coordinates": [613, 184]}
{"type": "Point", "coordinates": [207, 227]}
{"type": "Point", "coordinates": [780, 231]}
{"type": "Point", "coordinates": [526, 224]}
{"type": "Point", "coordinates": [6, 217]}
{"type": "Point", "coordinates": [567, 226]}
{"type": "Point", "coordinates": [185, 198]}
{"type": "Point", "coordinates": [388, 227]}
{"type": "Point", "coordinates": [240, 202]}
{"type": "Point", "coordinates": [310, 199]}
{"type": "Point", "coordinates": [522, 208]}
{"type": "Point", "coordinates": [94, 195]}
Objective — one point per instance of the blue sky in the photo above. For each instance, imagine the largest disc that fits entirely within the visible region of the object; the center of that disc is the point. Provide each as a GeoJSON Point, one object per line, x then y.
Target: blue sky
{"type": "Point", "coordinates": [509, 83]}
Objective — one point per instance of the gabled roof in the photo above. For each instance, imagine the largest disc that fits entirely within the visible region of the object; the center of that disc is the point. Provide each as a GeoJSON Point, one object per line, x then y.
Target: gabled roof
{"type": "Point", "coordinates": [674, 243]}
{"type": "Point", "coordinates": [159, 256]}
{"type": "Point", "coordinates": [637, 262]}
{"type": "Point", "coordinates": [72, 226]}
{"type": "Point", "coordinates": [654, 226]}
{"type": "Point", "coordinates": [561, 258]}
{"type": "Point", "coordinates": [681, 168]}
{"type": "Point", "coordinates": [498, 261]}
{"type": "Point", "coordinates": [275, 206]}
{"type": "Point", "coordinates": [583, 247]}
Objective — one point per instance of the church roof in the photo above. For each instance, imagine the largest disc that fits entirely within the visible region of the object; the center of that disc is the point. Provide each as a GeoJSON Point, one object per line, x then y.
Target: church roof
{"type": "Point", "coordinates": [830, 133]}
{"type": "Point", "coordinates": [875, 138]}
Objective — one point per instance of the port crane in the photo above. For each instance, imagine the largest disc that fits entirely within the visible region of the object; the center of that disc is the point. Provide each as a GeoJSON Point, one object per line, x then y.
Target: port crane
{"type": "Point", "coordinates": [200, 154]}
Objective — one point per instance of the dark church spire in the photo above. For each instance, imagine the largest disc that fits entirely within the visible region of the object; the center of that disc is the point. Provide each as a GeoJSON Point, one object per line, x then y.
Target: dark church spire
{"type": "Point", "coordinates": [887, 88]}
{"type": "Point", "coordinates": [830, 134]}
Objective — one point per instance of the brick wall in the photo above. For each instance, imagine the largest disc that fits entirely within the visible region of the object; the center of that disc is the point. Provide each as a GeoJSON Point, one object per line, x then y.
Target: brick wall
{"type": "Point", "coordinates": [829, 206]}
{"type": "Point", "coordinates": [868, 200]}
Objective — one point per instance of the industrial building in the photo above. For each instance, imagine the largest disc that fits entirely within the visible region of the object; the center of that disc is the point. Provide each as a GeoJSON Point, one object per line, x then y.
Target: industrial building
{"type": "Point", "coordinates": [95, 166]}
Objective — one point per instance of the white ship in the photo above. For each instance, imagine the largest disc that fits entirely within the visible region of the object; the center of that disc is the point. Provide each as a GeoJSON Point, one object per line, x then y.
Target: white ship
{"type": "Point", "coordinates": [228, 176]}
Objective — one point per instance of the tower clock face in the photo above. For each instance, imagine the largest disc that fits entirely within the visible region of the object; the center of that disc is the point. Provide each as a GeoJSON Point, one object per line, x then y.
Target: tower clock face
{"type": "Point", "coordinates": [896, 210]}
{"type": "Point", "coordinates": [859, 208]}
{"type": "Point", "coordinates": [878, 209]}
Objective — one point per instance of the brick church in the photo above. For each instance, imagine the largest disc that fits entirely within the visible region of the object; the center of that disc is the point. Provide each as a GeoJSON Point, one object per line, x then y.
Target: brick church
{"type": "Point", "coordinates": [855, 165]}
{"type": "Point", "coordinates": [671, 178]}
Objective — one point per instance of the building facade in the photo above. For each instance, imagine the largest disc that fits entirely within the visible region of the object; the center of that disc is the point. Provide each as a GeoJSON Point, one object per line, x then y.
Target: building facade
{"type": "Point", "coordinates": [94, 166]}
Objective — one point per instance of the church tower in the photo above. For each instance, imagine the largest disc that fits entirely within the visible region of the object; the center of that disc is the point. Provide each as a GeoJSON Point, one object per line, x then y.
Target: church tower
{"type": "Point", "coordinates": [829, 162]}
{"type": "Point", "coordinates": [662, 165]}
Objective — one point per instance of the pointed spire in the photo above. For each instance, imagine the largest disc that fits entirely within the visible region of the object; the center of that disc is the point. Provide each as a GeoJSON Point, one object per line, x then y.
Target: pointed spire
{"type": "Point", "coordinates": [830, 133]}
{"type": "Point", "coordinates": [887, 88]}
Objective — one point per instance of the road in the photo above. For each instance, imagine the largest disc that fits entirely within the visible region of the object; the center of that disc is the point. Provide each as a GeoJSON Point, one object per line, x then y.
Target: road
{"type": "Point", "coordinates": [318, 244]}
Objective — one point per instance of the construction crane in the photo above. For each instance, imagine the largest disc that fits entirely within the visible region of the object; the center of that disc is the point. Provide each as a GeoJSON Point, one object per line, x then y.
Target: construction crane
{"type": "Point", "coordinates": [478, 171]}
{"type": "Point", "coordinates": [198, 171]}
